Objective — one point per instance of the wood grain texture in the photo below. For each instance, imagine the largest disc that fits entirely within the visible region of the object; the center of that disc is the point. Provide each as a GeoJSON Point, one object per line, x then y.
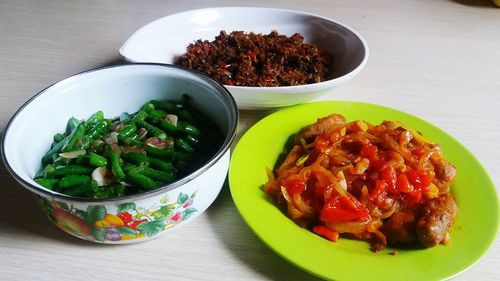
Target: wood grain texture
{"type": "Point", "coordinates": [439, 60]}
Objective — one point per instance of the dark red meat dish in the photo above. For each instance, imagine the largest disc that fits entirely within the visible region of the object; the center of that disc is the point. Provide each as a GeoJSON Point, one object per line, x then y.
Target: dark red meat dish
{"type": "Point", "coordinates": [250, 59]}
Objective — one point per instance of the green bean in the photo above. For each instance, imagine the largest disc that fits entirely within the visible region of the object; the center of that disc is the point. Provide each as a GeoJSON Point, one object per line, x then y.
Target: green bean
{"type": "Point", "coordinates": [189, 129]}
{"type": "Point", "coordinates": [49, 171]}
{"type": "Point", "coordinates": [155, 115]}
{"type": "Point", "coordinates": [49, 156]}
{"type": "Point", "coordinates": [192, 140]}
{"type": "Point", "coordinates": [153, 130]}
{"type": "Point", "coordinates": [61, 161]}
{"type": "Point", "coordinates": [157, 175]}
{"type": "Point", "coordinates": [58, 138]}
{"type": "Point", "coordinates": [167, 126]}
{"type": "Point", "coordinates": [127, 131]}
{"type": "Point", "coordinates": [83, 143]}
{"type": "Point", "coordinates": [134, 139]}
{"type": "Point", "coordinates": [183, 145]}
{"type": "Point", "coordinates": [75, 135]}
{"type": "Point", "coordinates": [165, 105]}
{"type": "Point", "coordinates": [47, 183]}
{"type": "Point", "coordinates": [127, 167]}
{"type": "Point", "coordinates": [148, 107]}
{"type": "Point", "coordinates": [40, 174]}
{"type": "Point", "coordinates": [161, 165]}
{"type": "Point", "coordinates": [97, 160]}
{"type": "Point", "coordinates": [166, 153]}
{"type": "Point", "coordinates": [183, 156]}
{"type": "Point", "coordinates": [142, 181]}
{"type": "Point", "coordinates": [98, 130]}
{"type": "Point", "coordinates": [141, 115]}
{"type": "Point", "coordinates": [81, 190]}
{"type": "Point", "coordinates": [135, 158]}
{"type": "Point", "coordinates": [116, 168]}
{"type": "Point", "coordinates": [73, 170]}
{"type": "Point", "coordinates": [71, 125]}
{"type": "Point", "coordinates": [73, 180]}
{"type": "Point", "coordinates": [95, 118]}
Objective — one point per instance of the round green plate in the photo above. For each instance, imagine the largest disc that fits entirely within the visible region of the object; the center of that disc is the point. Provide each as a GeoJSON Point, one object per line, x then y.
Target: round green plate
{"type": "Point", "coordinates": [473, 232]}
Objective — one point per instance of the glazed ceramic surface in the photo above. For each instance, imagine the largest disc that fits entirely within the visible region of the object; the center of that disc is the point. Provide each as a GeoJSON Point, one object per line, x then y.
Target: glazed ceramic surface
{"type": "Point", "coordinates": [114, 90]}
{"type": "Point", "coordinates": [167, 38]}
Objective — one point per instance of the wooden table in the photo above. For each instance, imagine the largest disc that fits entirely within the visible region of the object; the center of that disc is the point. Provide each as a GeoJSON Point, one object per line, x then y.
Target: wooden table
{"type": "Point", "coordinates": [439, 60]}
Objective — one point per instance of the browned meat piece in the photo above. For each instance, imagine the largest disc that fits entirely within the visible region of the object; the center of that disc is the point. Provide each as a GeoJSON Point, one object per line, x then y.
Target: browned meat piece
{"type": "Point", "coordinates": [445, 173]}
{"type": "Point", "coordinates": [323, 125]}
{"type": "Point", "coordinates": [438, 215]}
{"type": "Point", "coordinates": [400, 228]}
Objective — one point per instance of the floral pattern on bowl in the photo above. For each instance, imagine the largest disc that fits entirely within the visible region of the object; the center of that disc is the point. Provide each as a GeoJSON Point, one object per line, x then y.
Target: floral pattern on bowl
{"type": "Point", "coordinates": [129, 222]}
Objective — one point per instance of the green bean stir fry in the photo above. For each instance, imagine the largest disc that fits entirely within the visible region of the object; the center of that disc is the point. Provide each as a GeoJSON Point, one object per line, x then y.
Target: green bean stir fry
{"type": "Point", "coordinates": [105, 158]}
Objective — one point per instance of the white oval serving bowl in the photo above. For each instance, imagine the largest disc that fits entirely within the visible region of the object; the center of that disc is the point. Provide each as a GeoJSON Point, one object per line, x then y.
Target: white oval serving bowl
{"type": "Point", "coordinates": [165, 39]}
{"type": "Point", "coordinates": [116, 89]}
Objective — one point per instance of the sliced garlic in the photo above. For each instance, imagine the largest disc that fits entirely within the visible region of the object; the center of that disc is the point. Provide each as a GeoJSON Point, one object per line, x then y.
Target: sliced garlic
{"type": "Point", "coordinates": [72, 154]}
{"type": "Point", "coordinates": [102, 176]}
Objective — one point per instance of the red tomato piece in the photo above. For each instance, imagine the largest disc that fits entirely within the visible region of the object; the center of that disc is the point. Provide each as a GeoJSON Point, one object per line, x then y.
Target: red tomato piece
{"type": "Point", "coordinates": [369, 151]}
{"type": "Point", "coordinates": [420, 179]}
{"type": "Point", "coordinates": [403, 184]}
{"type": "Point", "coordinates": [342, 208]}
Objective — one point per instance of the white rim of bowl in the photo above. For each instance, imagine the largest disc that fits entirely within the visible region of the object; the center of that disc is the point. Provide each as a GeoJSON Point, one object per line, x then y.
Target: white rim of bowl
{"type": "Point", "coordinates": [225, 146]}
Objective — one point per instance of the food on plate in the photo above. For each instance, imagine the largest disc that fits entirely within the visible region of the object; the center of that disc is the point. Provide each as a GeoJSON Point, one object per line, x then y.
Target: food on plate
{"type": "Point", "coordinates": [104, 158]}
{"type": "Point", "coordinates": [383, 183]}
{"type": "Point", "coordinates": [250, 59]}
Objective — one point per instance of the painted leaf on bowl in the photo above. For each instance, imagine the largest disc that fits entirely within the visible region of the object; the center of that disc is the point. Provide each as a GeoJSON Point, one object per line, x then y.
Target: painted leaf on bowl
{"type": "Point", "coordinates": [125, 207]}
{"type": "Point", "coordinates": [129, 222]}
{"type": "Point", "coordinates": [151, 228]}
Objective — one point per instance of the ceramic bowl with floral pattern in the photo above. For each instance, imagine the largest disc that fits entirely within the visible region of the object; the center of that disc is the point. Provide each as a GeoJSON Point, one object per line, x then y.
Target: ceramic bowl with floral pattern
{"type": "Point", "coordinates": [117, 89]}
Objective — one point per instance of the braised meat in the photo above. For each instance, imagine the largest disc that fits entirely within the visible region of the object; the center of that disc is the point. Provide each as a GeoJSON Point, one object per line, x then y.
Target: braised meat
{"type": "Point", "coordinates": [250, 59]}
{"type": "Point", "coordinates": [438, 215]}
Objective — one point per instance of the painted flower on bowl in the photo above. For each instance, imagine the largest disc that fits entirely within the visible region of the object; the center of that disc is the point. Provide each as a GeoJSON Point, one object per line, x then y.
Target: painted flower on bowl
{"type": "Point", "coordinates": [129, 222]}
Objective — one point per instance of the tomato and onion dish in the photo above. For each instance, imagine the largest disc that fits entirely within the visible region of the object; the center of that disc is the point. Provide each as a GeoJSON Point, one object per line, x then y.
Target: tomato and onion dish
{"type": "Point", "coordinates": [384, 184]}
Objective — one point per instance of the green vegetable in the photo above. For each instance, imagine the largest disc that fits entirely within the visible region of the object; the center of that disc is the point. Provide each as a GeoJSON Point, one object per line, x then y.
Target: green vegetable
{"type": "Point", "coordinates": [73, 170]}
{"type": "Point", "coordinates": [94, 119]}
{"type": "Point", "coordinates": [97, 160]}
{"type": "Point", "coordinates": [166, 153]}
{"type": "Point", "coordinates": [98, 129]}
{"type": "Point", "coordinates": [75, 135]}
{"type": "Point", "coordinates": [136, 160]}
{"type": "Point", "coordinates": [48, 183]}
{"type": "Point", "coordinates": [74, 180]}
{"type": "Point", "coordinates": [153, 130]}
{"type": "Point", "coordinates": [142, 181]}
{"type": "Point", "coordinates": [161, 165]}
{"type": "Point", "coordinates": [183, 145]}
{"type": "Point", "coordinates": [116, 168]}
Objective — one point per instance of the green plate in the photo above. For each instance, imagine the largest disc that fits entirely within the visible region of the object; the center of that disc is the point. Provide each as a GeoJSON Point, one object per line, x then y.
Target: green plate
{"type": "Point", "coordinates": [473, 232]}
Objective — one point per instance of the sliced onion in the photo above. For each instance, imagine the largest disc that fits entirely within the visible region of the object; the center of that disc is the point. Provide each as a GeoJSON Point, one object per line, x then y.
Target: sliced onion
{"type": "Point", "coordinates": [285, 194]}
{"type": "Point", "coordinates": [341, 180]}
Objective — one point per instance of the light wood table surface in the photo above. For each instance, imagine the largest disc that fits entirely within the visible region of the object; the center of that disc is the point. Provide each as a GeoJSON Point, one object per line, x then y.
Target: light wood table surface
{"type": "Point", "coordinates": [439, 60]}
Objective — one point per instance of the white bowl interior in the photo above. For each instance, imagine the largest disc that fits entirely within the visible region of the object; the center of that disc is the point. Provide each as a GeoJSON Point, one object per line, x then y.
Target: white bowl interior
{"type": "Point", "coordinates": [113, 90]}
